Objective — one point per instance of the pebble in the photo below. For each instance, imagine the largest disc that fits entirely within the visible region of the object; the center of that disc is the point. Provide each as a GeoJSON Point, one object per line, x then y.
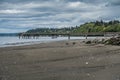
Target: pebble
{"type": "Point", "coordinates": [86, 63]}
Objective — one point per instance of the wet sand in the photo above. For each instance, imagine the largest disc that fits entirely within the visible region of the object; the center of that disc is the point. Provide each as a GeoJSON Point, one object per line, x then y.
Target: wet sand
{"type": "Point", "coordinates": [63, 60]}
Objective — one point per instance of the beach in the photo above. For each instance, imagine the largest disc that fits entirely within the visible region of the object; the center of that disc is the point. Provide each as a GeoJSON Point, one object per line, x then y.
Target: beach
{"type": "Point", "coordinates": [60, 60]}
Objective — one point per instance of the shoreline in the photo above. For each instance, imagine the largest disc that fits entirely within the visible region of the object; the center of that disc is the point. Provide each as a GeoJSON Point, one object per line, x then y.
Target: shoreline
{"type": "Point", "coordinates": [52, 40]}
{"type": "Point", "coordinates": [46, 43]}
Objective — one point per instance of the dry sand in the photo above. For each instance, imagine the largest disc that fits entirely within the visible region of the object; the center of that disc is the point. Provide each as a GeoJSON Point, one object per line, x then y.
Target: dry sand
{"type": "Point", "coordinates": [64, 60]}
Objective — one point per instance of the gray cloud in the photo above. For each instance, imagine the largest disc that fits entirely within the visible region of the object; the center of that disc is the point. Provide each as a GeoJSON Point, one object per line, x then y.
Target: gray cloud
{"type": "Point", "coordinates": [114, 3]}
{"type": "Point", "coordinates": [21, 15]}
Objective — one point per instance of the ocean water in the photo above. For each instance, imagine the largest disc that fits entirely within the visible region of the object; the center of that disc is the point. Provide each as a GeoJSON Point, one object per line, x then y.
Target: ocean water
{"type": "Point", "coordinates": [15, 41]}
{"type": "Point", "coordinates": [7, 41]}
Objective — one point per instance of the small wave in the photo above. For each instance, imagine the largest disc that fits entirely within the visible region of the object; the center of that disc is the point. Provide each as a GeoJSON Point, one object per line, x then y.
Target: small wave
{"type": "Point", "coordinates": [22, 43]}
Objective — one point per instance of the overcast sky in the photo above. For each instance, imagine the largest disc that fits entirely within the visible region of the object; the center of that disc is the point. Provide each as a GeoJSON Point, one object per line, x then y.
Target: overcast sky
{"type": "Point", "coordinates": [21, 15]}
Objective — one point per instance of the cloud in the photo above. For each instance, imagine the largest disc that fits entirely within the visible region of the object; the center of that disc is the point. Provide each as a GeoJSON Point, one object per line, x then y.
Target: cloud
{"type": "Point", "coordinates": [11, 11]}
{"type": "Point", "coordinates": [21, 15]}
{"type": "Point", "coordinates": [74, 4]}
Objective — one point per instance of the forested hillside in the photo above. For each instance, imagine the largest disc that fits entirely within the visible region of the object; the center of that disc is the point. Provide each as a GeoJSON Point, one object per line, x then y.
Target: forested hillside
{"type": "Point", "coordinates": [98, 26]}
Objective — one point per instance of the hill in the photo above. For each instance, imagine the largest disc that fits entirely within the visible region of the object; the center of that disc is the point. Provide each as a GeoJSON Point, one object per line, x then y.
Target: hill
{"type": "Point", "coordinates": [98, 26]}
{"type": "Point", "coordinates": [8, 34]}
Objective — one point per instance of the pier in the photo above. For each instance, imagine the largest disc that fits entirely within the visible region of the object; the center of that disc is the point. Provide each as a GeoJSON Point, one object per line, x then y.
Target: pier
{"type": "Point", "coordinates": [37, 35]}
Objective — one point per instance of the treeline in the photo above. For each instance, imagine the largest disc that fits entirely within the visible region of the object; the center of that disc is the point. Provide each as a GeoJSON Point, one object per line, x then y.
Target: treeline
{"type": "Point", "coordinates": [8, 34]}
{"type": "Point", "coordinates": [51, 30]}
{"type": "Point", "coordinates": [97, 26]}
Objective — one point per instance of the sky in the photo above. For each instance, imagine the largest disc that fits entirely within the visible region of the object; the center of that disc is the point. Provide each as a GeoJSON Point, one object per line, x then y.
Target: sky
{"type": "Point", "coordinates": [22, 15]}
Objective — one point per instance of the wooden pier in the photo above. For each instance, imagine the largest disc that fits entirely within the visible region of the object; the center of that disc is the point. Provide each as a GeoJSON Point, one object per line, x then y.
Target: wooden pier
{"type": "Point", "coordinates": [37, 35]}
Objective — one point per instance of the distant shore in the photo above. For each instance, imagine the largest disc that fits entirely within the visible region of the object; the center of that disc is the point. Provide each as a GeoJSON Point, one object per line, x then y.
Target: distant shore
{"type": "Point", "coordinates": [61, 60]}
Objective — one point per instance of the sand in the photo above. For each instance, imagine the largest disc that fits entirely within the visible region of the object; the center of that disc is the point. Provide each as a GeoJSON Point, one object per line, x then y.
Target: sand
{"type": "Point", "coordinates": [62, 60]}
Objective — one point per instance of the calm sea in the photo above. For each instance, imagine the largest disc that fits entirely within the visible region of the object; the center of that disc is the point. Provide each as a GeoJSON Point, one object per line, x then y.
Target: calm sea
{"type": "Point", "coordinates": [6, 41]}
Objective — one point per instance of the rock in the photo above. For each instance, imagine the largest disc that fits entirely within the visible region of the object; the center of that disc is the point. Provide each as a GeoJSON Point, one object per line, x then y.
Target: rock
{"type": "Point", "coordinates": [113, 41]}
